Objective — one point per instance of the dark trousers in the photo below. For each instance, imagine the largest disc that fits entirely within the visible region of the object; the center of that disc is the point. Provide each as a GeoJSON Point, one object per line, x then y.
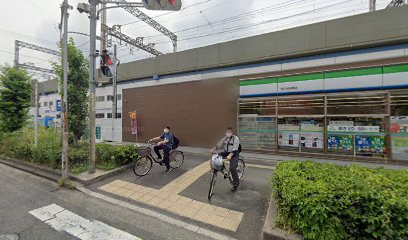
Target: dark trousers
{"type": "Point", "coordinates": [166, 151]}
{"type": "Point", "coordinates": [233, 167]}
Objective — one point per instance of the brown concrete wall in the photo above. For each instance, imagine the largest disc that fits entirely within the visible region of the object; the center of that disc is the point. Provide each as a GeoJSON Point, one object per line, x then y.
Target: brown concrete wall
{"type": "Point", "coordinates": [197, 112]}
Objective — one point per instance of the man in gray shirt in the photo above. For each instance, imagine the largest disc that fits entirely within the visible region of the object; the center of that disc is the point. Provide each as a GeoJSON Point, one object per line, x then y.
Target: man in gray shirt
{"type": "Point", "coordinates": [230, 146]}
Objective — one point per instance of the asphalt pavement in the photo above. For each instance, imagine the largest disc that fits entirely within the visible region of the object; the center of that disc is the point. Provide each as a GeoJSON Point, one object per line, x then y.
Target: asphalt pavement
{"type": "Point", "coordinates": [251, 198]}
{"type": "Point", "coordinates": [21, 193]}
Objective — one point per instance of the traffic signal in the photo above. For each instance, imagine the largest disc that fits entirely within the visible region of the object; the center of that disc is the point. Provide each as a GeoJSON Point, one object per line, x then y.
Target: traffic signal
{"type": "Point", "coordinates": [166, 5]}
{"type": "Point", "coordinates": [108, 67]}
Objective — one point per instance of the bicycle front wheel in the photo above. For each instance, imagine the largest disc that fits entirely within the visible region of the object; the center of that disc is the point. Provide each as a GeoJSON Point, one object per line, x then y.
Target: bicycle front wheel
{"type": "Point", "coordinates": [176, 159]}
{"type": "Point", "coordinates": [241, 167]}
{"type": "Point", "coordinates": [212, 184]}
{"type": "Point", "coordinates": [142, 166]}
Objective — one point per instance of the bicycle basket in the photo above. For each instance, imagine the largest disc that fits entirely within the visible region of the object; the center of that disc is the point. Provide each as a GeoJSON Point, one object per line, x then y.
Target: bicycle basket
{"type": "Point", "coordinates": [144, 151]}
{"type": "Point", "coordinates": [217, 162]}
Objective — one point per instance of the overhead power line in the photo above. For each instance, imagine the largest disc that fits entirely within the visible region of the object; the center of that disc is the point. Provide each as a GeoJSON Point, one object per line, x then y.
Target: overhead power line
{"type": "Point", "coordinates": [150, 21]}
{"type": "Point", "coordinates": [138, 42]}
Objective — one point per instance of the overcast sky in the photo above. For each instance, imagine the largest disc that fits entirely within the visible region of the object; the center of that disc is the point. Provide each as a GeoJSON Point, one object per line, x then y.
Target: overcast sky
{"type": "Point", "coordinates": [199, 23]}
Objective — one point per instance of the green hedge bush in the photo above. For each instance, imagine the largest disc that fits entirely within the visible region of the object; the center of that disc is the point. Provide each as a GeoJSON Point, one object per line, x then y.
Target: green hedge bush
{"type": "Point", "coordinates": [20, 145]}
{"type": "Point", "coordinates": [327, 201]}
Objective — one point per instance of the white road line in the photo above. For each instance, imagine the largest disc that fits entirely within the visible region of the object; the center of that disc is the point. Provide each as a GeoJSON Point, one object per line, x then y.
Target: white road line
{"type": "Point", "coordinates": [63, 220]}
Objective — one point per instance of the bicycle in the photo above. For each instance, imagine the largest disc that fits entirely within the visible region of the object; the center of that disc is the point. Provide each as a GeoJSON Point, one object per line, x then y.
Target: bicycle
{"type": "Point", "coordinates": [144, 162]}
{"type": "Point", "coordinates": [226, 173]}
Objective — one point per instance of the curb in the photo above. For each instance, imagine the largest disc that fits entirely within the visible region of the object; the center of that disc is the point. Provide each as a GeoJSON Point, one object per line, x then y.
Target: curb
{"type": "Point", "coordinates": [55, 175]}
{"type": "Point", "coordinates": [101, 177]}
{"type": "Point", "coordinates": [151, 213]}
{"type": "Point", "coordinates": [270, 231]}
{"type": "Point", "coordinates": [39, 171]}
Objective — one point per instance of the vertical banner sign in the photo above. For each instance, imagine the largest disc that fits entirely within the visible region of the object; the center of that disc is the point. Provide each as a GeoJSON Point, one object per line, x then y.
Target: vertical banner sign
{"type": "Point", "coordinates": [98, 132]}
{"type": "Point", "coordinates": [58, 103]}
{"type": "Point", "coordinates": [133, 122]}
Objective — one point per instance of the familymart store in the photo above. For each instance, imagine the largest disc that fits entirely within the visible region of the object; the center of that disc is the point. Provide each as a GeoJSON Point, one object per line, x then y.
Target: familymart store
{"type": "Point", "coordinates": [355, 113]}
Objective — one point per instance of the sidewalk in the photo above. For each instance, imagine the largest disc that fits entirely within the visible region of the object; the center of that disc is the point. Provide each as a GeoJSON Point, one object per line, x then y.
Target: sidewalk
{"type": "Point", "coordinates": [183, 193]}
{"type": "Point", "coordinates": [272, 159]}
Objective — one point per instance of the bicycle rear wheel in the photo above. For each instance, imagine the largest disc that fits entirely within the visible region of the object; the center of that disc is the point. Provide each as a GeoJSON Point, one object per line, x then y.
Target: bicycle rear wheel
{"type": "Point", "coordinates": [241, 167]}
{"type": "Point", "coordinates": [212, 184]}
{"type": "Point", "coordinates": [142, 166]}
{"type": "Point", "coordinates": [176, 159]}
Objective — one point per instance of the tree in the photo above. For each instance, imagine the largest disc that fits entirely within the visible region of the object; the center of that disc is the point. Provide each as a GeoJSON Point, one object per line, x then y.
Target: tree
{"type": "Point", "coordinates": [15, 98]}
{"type": "Point", "coordinates": [77, 90]}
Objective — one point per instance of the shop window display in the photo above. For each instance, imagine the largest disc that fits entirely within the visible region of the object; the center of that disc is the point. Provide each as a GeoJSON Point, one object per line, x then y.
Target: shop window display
{"type": "Point", "coordinates": [300, 134]}
{"type": "Point", "coordinates": [399, 125]}
{"type": "Point", "coordinates": [359, 136]}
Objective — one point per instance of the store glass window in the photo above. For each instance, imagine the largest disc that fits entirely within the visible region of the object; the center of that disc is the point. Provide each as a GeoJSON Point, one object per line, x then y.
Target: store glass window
{"type": "Point", "coordinates": [100, 98]}
{"type": "Point", "coordinates": [303, 134]}
{"type": "Point", "coordinates": [399, 125]}
{"type": "Point", "coordinates": [358, 136]}
{"type": "Point", "coordinates": [247, 131]}
{"type": "Point", "coordinates": [257, 124]}
{"type": "Point", "coordinates": [257, 132]}
{"type": "Point", "coordinates": [357, 104]}
{"type": "Point", "coordinates": [294, 106]}
{"type": "Point", "coordinates": [100, 115]}
{"type": "Point", "coordinates": [289, 134]}
{"type": "Point", "coordinates": [258, 107]}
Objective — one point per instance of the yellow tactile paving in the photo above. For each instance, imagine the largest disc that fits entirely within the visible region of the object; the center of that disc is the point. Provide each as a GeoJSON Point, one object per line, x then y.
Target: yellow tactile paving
{"type": "Point", "coordinates": [167, 198]}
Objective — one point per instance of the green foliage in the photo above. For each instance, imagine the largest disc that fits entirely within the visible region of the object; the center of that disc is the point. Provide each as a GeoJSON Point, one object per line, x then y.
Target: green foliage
{"type": "Point", "coordinates": [77, 90]}
{"type": "Point", "coordinates": [118, 154]}
{"type": "Point", "coordinates": [63, 182]}
{"type": "Point", "coordinates": [15, 98]}
{"type": "Point", "coordinates": [78, 168]}
{"type": "Point", "coordinates": [20, 145]}
{"type": "Point", "coordinates": [327, 201]}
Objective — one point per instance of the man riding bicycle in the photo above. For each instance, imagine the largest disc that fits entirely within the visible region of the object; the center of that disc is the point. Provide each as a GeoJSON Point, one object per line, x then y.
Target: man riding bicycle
{"type": "Point", "coordinates": [166, 144]}
{"type": "Point", "coordinates": [230, 146]}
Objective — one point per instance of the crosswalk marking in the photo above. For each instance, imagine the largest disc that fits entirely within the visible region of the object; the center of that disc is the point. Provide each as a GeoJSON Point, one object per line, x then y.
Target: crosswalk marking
{"type": "Point", "coordinates": [63, 220]}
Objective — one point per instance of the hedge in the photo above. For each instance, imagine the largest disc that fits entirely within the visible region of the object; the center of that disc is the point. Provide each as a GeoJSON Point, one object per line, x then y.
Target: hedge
{"type": "Point", "coordinates": [327, 201]}
{"type": "Point", "coordinates": [20, 145]}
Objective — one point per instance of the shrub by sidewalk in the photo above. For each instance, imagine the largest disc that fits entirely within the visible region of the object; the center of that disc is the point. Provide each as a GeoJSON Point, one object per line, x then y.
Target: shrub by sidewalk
{"type": "Point", "coordinates": [20, 145]}
{"type": "Point", "coordinates": [327, 201]}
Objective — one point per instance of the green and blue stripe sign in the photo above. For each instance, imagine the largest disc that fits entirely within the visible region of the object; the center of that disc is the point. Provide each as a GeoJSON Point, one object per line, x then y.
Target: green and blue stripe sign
{"type": "Point", "coordinates": [356, 79]}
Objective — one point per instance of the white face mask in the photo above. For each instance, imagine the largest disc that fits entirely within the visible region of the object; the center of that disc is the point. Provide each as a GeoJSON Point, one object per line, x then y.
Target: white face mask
{"type": "Point", "coordinates": [228, 134]}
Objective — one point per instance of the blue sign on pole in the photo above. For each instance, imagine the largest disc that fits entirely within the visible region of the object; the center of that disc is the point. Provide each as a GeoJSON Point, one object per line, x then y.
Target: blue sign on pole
{"type": "Point", "coordinates": [59, 106]}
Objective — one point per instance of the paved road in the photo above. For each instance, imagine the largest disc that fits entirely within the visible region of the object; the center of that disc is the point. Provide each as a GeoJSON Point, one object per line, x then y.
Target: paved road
{"type": "Point", "coordinates": [21, 193]}
{"type": "Point", "coordinates": [251, 199]}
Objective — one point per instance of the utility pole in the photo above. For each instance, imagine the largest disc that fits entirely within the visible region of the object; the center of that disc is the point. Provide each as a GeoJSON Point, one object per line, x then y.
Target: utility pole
{"type": "Point", "coordinates": [103, 22]}
{"type": "Point", "coordinates": [92, 87]}
{"type": "Point", "coordinates": [36, 113]}
{"type": "Point", "coordinates": [372, 5]}
{"type": "Point", "coordinates": [64, 159]}
{"type": "Point", "coordinates": [115, 98]}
